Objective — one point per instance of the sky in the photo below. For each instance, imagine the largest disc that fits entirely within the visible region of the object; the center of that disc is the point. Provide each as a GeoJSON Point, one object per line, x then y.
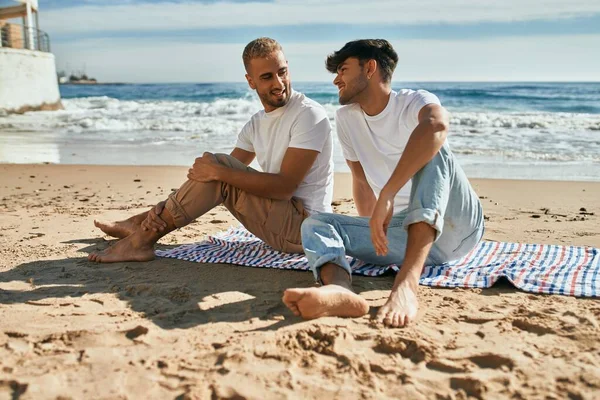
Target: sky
{"type": "Point", "coordinates": [202, 41]}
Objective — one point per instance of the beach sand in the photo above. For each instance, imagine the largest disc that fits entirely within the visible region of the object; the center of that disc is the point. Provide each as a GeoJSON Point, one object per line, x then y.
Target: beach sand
{"type": "Point", "coordinates": [174, 329]}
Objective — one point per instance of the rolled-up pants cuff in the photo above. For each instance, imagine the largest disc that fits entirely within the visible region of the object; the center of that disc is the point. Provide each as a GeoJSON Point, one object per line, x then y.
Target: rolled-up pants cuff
{"type": "Point", "coordinates": [427, 215]}
{"type": "Point", "coordinates": [180, 217]}
{"type": "Point", "coordinates": [336, 259]}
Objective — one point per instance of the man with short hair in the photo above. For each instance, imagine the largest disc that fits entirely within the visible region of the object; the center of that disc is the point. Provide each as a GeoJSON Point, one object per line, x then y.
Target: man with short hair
{"type": "Point", "coordinates": [291, 139]}
{"type": "Point", "coordinates": [405, 178]}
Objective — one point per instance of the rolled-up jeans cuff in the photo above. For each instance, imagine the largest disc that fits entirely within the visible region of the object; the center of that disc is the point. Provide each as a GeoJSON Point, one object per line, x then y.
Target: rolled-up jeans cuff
{"type": "Point", "coordinates": [427, 215]}
{"type": "Point", "coordinates": [180, 217]}
{"type": "Point", "coordinates": [330, 259]}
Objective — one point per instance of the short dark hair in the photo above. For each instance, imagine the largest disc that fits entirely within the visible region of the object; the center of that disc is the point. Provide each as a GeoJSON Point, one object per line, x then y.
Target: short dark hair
{"type": "Point", "coordinates": [259, 48]}
{"type": "Point", "coordinates": [379, 50]}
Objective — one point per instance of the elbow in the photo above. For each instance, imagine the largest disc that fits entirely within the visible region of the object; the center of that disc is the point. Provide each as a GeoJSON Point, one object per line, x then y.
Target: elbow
{"type": "Point", "coordinates": [442, 126]}
{"type": "Point", "coordinates": [438, 124]}
{"type": "Point", "coordinates": [438, 129]}
{"type": "Point", "coordinates": [441, 135]}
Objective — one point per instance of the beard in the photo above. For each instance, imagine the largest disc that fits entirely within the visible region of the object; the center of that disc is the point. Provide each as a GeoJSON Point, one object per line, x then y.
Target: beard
{"type": "Point", "coordinates": [270, 99]}
{"type": "Point", "coordinates": [353, 90]}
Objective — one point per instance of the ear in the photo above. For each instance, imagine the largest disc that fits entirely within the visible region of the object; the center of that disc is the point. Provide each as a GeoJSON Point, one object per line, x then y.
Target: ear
{"type": "Point", "coordinates": [250, 82]}
{"type": "Point", "coordinates": [371, 68]}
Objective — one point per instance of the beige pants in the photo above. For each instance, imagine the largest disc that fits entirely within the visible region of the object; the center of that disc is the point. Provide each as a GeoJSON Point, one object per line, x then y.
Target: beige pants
{"type": "Point", "coordinates": [276, 222]}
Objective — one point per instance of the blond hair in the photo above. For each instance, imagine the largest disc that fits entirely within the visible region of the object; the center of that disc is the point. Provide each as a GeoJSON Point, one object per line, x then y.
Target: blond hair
{"type": "Point", "coordinates": [259, 48]}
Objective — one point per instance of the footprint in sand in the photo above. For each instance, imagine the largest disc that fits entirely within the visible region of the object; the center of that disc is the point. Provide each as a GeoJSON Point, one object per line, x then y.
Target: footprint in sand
{"type": "Point", "coordinates": [83, 339]}
{"type": "Point", "coordinates": [416, 351]}
{"type": "Point", "coordinates": [316, 340]}
{"type": "Point", "coordinates": [575, 319]}
{"type": "Point", "coordinates": [528, 326]}
{"type": "Point", "coordinates": [328, 342]}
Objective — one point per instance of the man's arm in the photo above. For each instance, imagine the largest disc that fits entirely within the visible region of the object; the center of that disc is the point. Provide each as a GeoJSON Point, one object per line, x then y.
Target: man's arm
{"type": "Point", "coordinates": [424, 143]}
{"type": "Point", "coordinates": [281, 186]}
{"type": "Point", "coordinates": [244, 156]}
{"type": "Point", "coordinates": [364, 198]}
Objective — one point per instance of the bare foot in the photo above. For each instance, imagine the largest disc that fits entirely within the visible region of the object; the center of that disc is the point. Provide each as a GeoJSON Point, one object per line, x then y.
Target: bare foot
{"type": "Point", "coordinates": [328, 300]}
{"type": "Point", "coordinates": [402, 306]}
{"type": "Point", "coordinates": [129, 249]}
{"type": "Point", "coordinates": [120, 229]}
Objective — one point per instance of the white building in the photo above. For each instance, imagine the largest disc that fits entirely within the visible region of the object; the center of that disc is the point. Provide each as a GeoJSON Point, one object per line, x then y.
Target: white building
{"type": "Point", "coordinates": [27, 67]}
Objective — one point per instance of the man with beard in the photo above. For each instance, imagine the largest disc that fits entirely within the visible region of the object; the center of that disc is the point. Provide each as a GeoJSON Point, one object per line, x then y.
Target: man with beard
{"type": "Point", "coordinates": [405, 178]}
{"type": "Point", "coordinates": [291, 138]}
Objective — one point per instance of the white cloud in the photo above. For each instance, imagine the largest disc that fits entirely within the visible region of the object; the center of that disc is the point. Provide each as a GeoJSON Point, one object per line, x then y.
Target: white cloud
{"type": "Point", "coordinates": [182, 16]}
{"type": "Point", "coordinates": [531, 58]}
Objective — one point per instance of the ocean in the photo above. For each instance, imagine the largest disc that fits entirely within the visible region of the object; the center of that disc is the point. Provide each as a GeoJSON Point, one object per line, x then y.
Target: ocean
{"type": "Point", "coordinates": [498, 130]}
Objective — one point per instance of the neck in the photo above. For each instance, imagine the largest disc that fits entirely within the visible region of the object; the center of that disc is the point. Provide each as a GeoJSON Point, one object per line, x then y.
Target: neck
{"type": "Point", "coordinates": [269, 108]}
{"type": "Point", "coordinates": [376, 99]}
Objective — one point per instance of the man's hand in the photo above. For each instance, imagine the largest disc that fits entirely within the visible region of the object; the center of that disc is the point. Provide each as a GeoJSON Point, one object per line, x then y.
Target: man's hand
{"type": "Point", "coordinates": [205, 169]}
{"type": "Point", "coordinates": [153, 222]}
{"type": "Point", "coordinates": [380, 220]}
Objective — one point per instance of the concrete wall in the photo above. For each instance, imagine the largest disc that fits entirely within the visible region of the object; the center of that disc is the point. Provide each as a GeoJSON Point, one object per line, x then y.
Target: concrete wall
{"type": "Point", "coordinates": [27, 81]}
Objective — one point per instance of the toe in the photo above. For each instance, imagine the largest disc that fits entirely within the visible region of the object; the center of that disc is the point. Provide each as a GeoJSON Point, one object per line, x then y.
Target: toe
{"type": "Point", "coordinates": [401, 320]}
{"type": "Point", "coordinates": [396, 320]}
{"type": "Point", "coordinates": [389, 318]}
{"type": "Point", "coordinates": [381, 314]}
{"type": "Point", "coordinates": [290, 299]}
{"type": "Point", "coordinates": [405, 321]}
{"type": "Point", "coordinates": [293, 295]}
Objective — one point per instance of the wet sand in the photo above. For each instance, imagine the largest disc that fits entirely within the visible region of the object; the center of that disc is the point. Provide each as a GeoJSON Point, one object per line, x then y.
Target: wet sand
{"type": "Point", "coordinates": [167, 328]}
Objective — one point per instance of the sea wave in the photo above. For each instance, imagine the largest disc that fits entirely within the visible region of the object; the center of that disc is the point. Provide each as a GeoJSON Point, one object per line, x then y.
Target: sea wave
{"type": "Point", "coordinates": [109, 114]}
{"type": "Point", "coordinates": [554, 121]}
{"type": "Point", "coordinates": [516, 155]}
{"type": "Point", "coordinates": [105, 114]}
{"type": "Point", "coordinates": [533, 136]}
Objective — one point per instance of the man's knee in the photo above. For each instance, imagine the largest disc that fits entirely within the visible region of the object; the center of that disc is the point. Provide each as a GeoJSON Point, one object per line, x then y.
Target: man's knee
{"type": "Point", "coordinates": [314, 222]}
{"type": "Point", "coordinates": [226, 159]}
{"type": "Point", "coordinates": [230, 161]}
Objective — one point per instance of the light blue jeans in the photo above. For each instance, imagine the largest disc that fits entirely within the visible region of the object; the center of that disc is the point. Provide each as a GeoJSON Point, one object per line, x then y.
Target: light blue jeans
{"type": "Point", "coordinates": [441, 196]}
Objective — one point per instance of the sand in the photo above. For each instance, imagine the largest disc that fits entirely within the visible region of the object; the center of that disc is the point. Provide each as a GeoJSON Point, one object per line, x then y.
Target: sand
{"type": "Point", "coordinates": [174, 329]}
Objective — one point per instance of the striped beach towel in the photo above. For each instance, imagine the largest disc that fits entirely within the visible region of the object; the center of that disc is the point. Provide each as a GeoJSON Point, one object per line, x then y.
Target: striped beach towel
{"type": "Point", "coordinates": [536, 268]}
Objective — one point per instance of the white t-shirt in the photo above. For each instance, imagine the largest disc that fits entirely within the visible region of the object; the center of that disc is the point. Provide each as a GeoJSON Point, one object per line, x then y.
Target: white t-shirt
{"type": "Point", "coordinates": [301, 124]}
{"type": "Point", "coordinates": [378, 141]}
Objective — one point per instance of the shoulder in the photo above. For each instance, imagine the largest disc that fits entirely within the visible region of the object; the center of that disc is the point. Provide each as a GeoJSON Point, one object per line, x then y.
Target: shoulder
{"type": "Point", "coordinates": [307, 106]}
{"type": "Point", "coordinates": [408, 96]}
{"type": "Point", "coordinates": [252, 126]}
{"type": "Point", "coordinates": [306, 111]}
{"type": "Point", "coordinates": [254, 121]}
{"type": "Point", "coordinates": [348, 111]}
